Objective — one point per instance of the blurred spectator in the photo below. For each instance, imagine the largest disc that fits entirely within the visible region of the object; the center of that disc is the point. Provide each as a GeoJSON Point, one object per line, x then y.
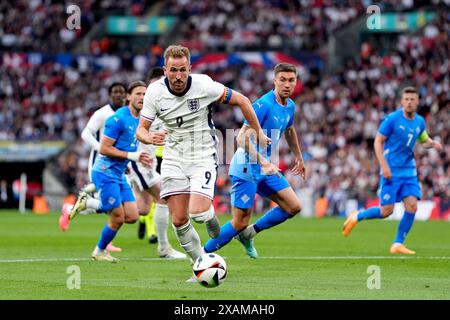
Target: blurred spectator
{"type": "Point", "coordinates": [261, 24]}
{"type": "Point", "coordinates": [337, 117]}
{"type": "Point", "coordinates": [25, 25]}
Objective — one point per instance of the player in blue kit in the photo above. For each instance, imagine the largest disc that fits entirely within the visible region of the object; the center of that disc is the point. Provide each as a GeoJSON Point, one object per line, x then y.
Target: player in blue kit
{"type": "Point", "coordinates": [117, 147]}
{"type": "Point", "coordinates": [394, 149]}
{"type": "Point", "coordinates": [252, 172]}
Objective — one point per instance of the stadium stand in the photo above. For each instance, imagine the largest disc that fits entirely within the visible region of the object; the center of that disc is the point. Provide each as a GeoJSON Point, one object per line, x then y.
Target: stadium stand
{"type": "Point", "coordinates": [44, 97]}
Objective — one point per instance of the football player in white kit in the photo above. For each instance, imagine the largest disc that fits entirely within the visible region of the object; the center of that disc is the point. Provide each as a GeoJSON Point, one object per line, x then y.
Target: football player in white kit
{"type": "Point", "coordinates": [146, 183]}
{"type": "Point", "coordinates": [183, 103]}
{"type": "Point", "coordinates": [91, 135]}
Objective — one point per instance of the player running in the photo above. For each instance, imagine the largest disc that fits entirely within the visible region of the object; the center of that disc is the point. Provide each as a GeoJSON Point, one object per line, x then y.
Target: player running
{"type": "Point", "coordinates": [183, 102]}
{"type": "Point", "coordinates": [146, 183]}
{"type": "Point", "coordinates": [147, 223]}
{"type": "Point", "coordinates": [394, 149]}
{"type": "Point", "coordinates": [92, 135]}
{"type": "Point", "coordinates": [117, 147]}
{"type": "Point", "coordinates": [252, 172]}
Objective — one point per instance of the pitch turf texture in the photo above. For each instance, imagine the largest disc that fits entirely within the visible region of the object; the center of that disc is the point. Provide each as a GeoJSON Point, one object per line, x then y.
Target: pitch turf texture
{"type": "Point", "coordinates": [300, 259]}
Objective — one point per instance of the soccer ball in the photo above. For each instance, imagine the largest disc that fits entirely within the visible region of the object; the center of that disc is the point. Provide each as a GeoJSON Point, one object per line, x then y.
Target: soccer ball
{"type": "Point", "coordinates": [210, 270]}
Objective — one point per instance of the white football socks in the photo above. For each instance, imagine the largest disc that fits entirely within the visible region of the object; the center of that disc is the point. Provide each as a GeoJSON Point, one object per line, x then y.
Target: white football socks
{"type": "Point", "coordinates": [92, 203]}
{"type": "Point", "coordinates": [189, 240]}
{"type": "Point", "coordinates": [161, 218]}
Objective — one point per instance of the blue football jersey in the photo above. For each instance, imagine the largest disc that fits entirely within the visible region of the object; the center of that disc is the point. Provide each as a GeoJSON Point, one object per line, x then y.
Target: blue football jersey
{"type": "Point", "coordinates": [274, 119]}
{"type": "Point", "coordinates": [402, 134]}
{"type": "Point", "coordinates": [121, 127]}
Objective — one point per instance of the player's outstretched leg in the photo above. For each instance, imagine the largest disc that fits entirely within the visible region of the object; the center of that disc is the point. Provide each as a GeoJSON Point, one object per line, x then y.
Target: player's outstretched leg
{"type": "Point", "coordinates": [248, 244]}
{"type": "Point", "coordinates": [89, 188]}
{"type": "Point", "coordinates": [100, 253]}
{"type": "Point", "coordinates": [64, 217]}
{"type": "Point", "coordinates": [161, 218]}
{"type": "Point", "coordinates": [84, 205]}
{"type": "Point", "coordinates": [405, 225]}
{"type": "Point", "coordinates": [209, 218]}
{"type": "Point", "coordinates": [271, 219]}
{"type": "Point", "coordinates": [189, 240]}
{"type": "Point", "coordinates": [355, 216]}
{"type": "Point", "coordinates": [226, 234]}
{"type": "Point", "coordinates": [80, 205]}
{"type": "Point", "coordinates": [109, 232]}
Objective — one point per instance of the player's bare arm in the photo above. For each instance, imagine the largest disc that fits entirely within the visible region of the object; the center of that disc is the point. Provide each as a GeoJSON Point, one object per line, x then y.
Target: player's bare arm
{"type": "Point", "coordinates": [429, 143]}
{"type": "Point", "coordinates": [245, 105]}
{"type": "Point", "coordinates": [379, 152]}
{"type": "Point", "coordinates": [244, 140]}
{"type": "Point", "coordinates": [145, 136]}
{"type": "Point", "coordinates": [107, 149]}
{"type": "Point", "coordinates": [292, 140]}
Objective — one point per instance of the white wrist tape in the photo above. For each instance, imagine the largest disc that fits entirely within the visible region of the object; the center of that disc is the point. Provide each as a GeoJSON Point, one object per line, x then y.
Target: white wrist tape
{"type": "Point", "coordinates": [134, 156]}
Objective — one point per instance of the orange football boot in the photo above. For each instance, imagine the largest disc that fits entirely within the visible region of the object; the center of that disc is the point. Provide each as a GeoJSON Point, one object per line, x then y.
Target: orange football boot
{"type": "Point", "coordinates": [400, 249]}
{"type": "Point", "coordinates": [350, 223]}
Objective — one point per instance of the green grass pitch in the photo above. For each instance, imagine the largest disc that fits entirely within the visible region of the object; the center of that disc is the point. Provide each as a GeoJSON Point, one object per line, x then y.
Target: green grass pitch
{"type": "Point", "coordinates": [300, 259]}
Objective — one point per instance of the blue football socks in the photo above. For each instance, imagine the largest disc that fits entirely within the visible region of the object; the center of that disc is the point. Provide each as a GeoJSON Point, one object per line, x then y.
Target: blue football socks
{"type": "Point", "coordinates": [272, 218]}
{"type": "Point", "coordinates": [106, 237]}
{"type": "Point", "coordinates": [371, 213]}
{"type": "Point", "coordinates": [404, 227]}
{"type": "Point", "coordinates": [227, 232]}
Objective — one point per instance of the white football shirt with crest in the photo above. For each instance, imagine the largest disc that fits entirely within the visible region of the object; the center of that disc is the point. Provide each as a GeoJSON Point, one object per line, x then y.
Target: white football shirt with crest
{"type": "Point", "coordinates": [187, 116]}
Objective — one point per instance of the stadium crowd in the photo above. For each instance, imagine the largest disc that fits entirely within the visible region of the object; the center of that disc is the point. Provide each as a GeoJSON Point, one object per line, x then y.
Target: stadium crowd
{"type": "Point", "coordinates": [262, 24]}
{"type": "Point", "coordinates": [26, 25]}
{"type": "Point", "coordinates": [337, 117]}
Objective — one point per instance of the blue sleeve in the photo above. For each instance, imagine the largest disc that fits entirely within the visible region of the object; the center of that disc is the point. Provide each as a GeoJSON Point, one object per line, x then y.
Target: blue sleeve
{"type": "Point", "coordinates": [260, 110]}
{"type": "Point", "coordinates": [386, 126]}
{"type": "Point", "coordinates": [113, 126]}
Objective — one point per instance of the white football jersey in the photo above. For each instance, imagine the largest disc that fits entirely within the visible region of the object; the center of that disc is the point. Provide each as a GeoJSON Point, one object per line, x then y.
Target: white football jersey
{"type": "Point", "coordinates": [97, 121]}
{"type": "Point", "coordinates": [95, 126]}
{"type": "Point", "coordinates": [187, 117]}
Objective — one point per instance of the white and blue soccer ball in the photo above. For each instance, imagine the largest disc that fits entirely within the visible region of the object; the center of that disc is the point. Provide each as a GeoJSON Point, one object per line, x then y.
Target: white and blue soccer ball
{"type": "Point", "coordinates": [210, 270]}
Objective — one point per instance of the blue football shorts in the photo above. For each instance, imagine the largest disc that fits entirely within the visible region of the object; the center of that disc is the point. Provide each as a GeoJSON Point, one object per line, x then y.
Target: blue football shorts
{"type": "Point", "coordinates": [397, 188]}
{"type": "Point", "coordinates": [113, 191]}
{"type": "Point", "coordinates": [243, 191]}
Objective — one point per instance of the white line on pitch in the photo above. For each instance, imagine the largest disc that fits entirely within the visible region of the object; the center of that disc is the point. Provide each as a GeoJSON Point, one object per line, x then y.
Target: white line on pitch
{"type": "Point", "coordinates": [241, 257]}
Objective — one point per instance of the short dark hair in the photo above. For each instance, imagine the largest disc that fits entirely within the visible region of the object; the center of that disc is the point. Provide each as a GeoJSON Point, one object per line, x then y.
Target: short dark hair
{"type": "Point", "coordinates": [135, 84]}
{"type": "Point", "coordinates": [116, 84]}
{"type": "Point", "coordinates": [284, 67]}
{"type": "Point", "coordinates": [409, 89]}
{"type": "Point", "coordinates": [155, 73]}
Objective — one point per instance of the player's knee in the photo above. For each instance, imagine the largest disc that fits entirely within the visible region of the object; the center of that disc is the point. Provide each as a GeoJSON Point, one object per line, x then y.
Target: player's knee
{"type": "Point", "coordinates": [117, 221]}
{"type": "Point", "coordinates": [143, 210]}
{"type": "Point", "coordinates": [294, 209]}
{"type": "Point", "coordinates": [179, 221]}
{"type": "Point", "coordinates": [109, 208]}
{"type": "Point", "coordinates": [412, 208]}
{"type": "Point", "coordinates": [386, 212]}
{"type": "Point", "coordinates": [130, 219]}
{"type": "Point", "coordinates": [239, 225]}
{"type": "Point", "coordinates": [201, 217]}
